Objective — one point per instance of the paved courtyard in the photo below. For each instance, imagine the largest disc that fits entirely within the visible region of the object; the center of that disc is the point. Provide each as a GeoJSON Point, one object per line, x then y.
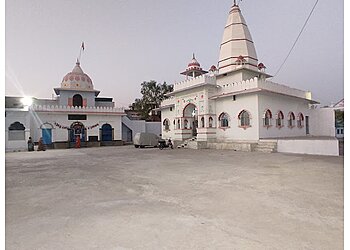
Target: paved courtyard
{"type": "Point", "coordinates": [127, 198]}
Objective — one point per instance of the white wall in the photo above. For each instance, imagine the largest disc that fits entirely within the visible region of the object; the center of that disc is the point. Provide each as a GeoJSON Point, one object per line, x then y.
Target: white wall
{"type": "Point", "coordinates": [323, 123]}
{"type": "Point", "coordinates": [60, 134]}
{"type": "Point", "coordinates": [313, 147]}
{"type": "Point", "coordinates": [247, 102]}
{"type": "Point", "coordinates": [167, 114]}
{"type": "Point", "coordinates": [286, 104]}
{"type": "Point", "coordinates": [23, 117]}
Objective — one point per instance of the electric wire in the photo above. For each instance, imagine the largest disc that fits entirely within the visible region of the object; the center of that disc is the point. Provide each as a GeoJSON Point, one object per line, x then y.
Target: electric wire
{"type": "Point", "coordinates": [301, 31]}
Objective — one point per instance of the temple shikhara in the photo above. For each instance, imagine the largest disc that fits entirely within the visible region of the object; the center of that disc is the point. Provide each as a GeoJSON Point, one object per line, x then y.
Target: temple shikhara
{"type": "Point", "coordinates": [235, 104]}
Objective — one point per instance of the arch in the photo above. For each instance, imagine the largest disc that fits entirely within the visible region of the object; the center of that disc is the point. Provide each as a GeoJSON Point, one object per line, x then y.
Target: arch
{"type": "Point", "coordinates": [244, 117]}
{"type": "Point", "coordinates": [46, 125]}
{"type": "Point", "coordinates": [77, 129]}
{"type": "Point", "coordinates": [77, 100]}
{"type": "Point", "coordinates": [178, 124]}
{"type": "Point", "coordinates": [224, 119]}
{"type": "Point", "coordinates": [17, 126]}
{"type": "Point", "coordinates": [211, 121]}
{"type": "Point", "coordinates": [190, 110]}
{"type": "Point", "coordinates": [107, 132]}
{"type": "Point", "coordinates": [166, 124]}
{"type": "Point", "coordinates": [16, 132]}
{"type": "Point", "coordinates": [267, 118]}
{"type": "Point", "coordinates": [202, 122]}
{"type": "Point", "coordinates": [279, 119]}
{"type": "Point", "coordinates": [291, 120]}
{"type": "Point", "coordinates": [300, 120]}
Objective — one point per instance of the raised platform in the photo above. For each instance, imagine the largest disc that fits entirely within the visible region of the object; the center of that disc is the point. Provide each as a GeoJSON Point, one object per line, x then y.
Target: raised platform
{"type": "Point", "coordinates": [319, 145]}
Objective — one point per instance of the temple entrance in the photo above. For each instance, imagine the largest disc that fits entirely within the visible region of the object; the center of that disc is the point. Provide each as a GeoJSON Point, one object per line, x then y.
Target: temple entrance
{"type": "Point", "coordinates": [77, 129]}
{"type": "Point", "coordinates": [190, 115]}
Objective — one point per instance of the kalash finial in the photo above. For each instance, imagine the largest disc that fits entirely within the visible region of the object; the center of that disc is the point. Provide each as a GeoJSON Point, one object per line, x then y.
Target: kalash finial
{"type": "Point", "coordinates": [235, 2]}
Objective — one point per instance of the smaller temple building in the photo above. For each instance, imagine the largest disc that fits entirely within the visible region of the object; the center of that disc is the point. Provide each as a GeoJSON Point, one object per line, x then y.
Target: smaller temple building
{"type": "Point", "coordinates": [75, 112]}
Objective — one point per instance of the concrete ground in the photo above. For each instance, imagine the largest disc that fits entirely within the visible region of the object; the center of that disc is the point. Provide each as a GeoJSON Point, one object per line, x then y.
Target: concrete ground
{"type": "Point", "coordinates": [127, 198]}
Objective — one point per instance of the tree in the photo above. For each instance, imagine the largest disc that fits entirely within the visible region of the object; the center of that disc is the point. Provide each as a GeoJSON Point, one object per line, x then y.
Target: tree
{"type": "Point", "coordinates": [153, 94]}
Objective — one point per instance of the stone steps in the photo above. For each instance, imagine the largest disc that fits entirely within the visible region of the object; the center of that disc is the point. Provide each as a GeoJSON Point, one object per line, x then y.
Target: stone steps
{"type": "Point", "coordinates": [190, 143]}
{"type": "Point", "coordinates": [266, 147]}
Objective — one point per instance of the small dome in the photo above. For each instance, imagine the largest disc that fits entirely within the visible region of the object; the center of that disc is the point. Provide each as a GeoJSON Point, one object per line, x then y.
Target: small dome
{"type": "Point", "coordinates": [194, 64]}
{"type": "Point", "coordinates": [213, 68]}
{"type": "Point", "coordinates": [77, 79]}
{"type": "Point", "coordinates": [261, 66]}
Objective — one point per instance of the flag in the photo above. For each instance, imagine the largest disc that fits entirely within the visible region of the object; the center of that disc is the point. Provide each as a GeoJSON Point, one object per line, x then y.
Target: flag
{"type": "Point", "coordinates": [83, 46]}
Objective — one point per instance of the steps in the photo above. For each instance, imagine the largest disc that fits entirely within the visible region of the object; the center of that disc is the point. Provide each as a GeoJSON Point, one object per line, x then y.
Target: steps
{"type": "Point", "coordinates": [189, 143]}
{"type": "Point", "coordinates": [266, 147]}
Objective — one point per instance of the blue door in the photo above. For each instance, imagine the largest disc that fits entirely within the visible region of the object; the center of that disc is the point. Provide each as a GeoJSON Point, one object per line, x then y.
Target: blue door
{"type": "Point", "coordinates": [107, 132]}
{"type": "Point", "coordinates": [47, 135]}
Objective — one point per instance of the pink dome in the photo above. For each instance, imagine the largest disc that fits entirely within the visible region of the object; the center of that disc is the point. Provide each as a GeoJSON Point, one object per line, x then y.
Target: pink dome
{"type": "Point", "coordinates": [77, 79]}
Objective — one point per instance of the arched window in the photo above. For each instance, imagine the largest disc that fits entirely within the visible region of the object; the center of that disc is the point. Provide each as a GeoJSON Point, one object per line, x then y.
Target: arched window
{"type": "Point", "coordinates": [244, 118]}
{"type": "Point", "coordinates": [267, 118]}
{"type": "Point", "coordinates": [291, 120]}
{"type": "Point", "coordinates": [166, 124]}
{"type": "Point", "coordinates": [16, 132]}
{"type": "Point", "coordinates": [211, 120]}
{"type": "Point", "coordinates": [279, 119]}
{"type": "Point", "coordinates": [202, 122]}
{"type": "Point", "coordinates": [300, 120]}
{"type": "Point", "coordinates": [224, 120]}
{"type": "Point", "coordinates": [178, 124]}
{"type": "Point", "coordinates": [77, 100]}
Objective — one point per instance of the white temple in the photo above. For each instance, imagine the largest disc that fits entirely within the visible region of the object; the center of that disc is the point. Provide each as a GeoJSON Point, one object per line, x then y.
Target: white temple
{"type": "Point", "coordinates": [76, 111]}
{"type": "Point", "coordinates": [236, 101]}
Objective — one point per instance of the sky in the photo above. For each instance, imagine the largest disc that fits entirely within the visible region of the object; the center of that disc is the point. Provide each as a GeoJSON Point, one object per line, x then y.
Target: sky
{"type": "Point", "coordinates": [131, 41]}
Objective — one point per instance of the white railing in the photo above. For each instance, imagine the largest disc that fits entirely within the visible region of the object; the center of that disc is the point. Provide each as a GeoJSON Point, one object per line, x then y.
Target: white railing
{"type": "Point", "coordinates": [283, 89]}
{"type": "Point", "coordinates": [238, 86]}
{"type": "Point", "coordinates": [256, 83]}
{"type": "Point", "coordinates": [203, 79]}
{"type": "Point", "coordinates": [51, 108]}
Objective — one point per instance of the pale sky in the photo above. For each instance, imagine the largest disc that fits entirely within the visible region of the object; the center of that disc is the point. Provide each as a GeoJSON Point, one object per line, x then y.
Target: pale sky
{"type": "Point", "coordinates": [131, 41]}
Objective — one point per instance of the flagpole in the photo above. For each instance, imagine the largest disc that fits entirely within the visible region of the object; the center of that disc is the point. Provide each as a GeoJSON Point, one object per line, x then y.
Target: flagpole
{"type": "Point", "coordinates": [82, 48]}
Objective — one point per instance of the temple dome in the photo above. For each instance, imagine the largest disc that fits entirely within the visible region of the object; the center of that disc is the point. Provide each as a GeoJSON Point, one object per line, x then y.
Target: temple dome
{"type": "Point", "coordinates": [194, 68]}
{"type": "Point", "coordinates": [194, 64]}
{"type": "Point", "coordinates": [77, 80]}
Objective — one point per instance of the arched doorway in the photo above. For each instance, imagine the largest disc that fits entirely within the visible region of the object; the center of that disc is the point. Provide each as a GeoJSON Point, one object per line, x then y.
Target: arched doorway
{"type": "Point", "coordinates": [190, 114]}
{"type": "Point", "coordinates": [77, 100]}
{"type": "Point", "coordinates": [107, 132]}
{"type": "Point", "coordinates": [77, 129]}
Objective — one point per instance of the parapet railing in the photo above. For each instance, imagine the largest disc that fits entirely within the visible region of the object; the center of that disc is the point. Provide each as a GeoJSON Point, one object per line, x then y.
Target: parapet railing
{"type": "Point", "coordinates": [256, 83]}
{"type": "Point", "coordinates": [52, 108]}
{"type": "Point", "coordinates": [203, 79]}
